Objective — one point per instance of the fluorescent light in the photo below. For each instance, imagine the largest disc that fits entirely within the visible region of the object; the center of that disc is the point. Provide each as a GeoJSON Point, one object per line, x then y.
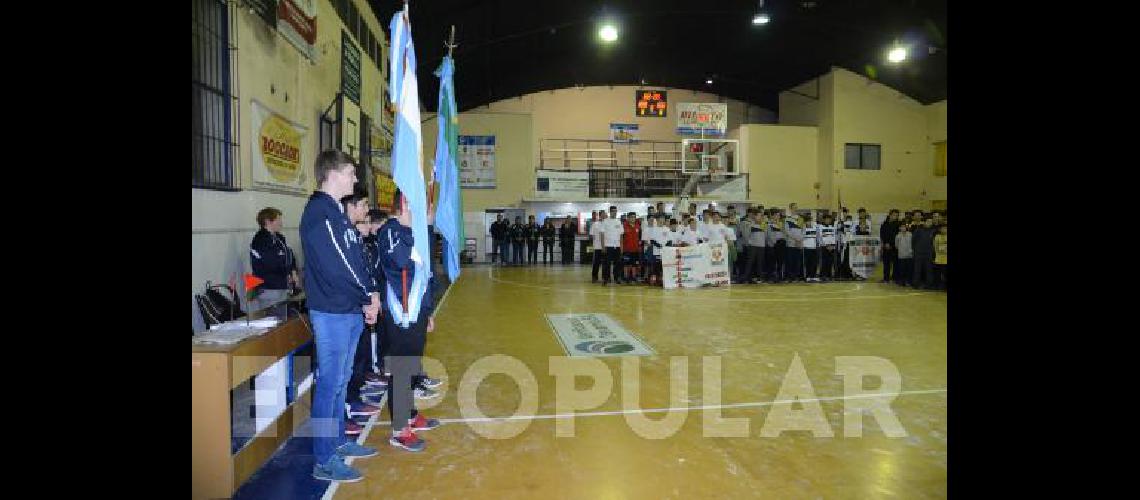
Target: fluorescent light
{"type": "Point", "coordinates": [709, 81]}
{"type": "Point", "coordinates": [761, 18]}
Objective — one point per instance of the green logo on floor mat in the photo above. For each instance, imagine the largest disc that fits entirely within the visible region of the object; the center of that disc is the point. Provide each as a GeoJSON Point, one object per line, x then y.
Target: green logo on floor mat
{"type": "Point", "coordinates": [595, 334]}
{"type": "Point", "coordinates": [605, 347]}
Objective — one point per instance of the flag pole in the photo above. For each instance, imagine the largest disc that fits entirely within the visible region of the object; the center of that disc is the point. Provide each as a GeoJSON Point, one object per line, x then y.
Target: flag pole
{"type": "Point", "coordinates": [450, 44]}
{"type": "Point", "coordinates": [233, 284]}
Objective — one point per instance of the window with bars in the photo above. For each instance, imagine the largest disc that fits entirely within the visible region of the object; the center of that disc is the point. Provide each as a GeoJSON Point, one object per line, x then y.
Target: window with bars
{"type": "Point", "coordinates": [214, 110]}
{"type": "Point", "coordinates": [862, 156]}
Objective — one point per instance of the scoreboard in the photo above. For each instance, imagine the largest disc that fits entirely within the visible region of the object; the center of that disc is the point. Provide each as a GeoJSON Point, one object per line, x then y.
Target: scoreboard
{"type": "Point", "coordinates": [650, 103]}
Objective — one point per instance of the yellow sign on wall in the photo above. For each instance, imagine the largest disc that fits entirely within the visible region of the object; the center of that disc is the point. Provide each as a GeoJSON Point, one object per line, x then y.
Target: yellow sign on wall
{"type": "Point", "coordinates": [277, 158]}
{"type": "Point", "coordinates": [280, 148]}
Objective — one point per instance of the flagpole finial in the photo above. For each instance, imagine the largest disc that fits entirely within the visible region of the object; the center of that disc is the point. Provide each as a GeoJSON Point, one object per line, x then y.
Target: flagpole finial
{"type": "Point", "coordinates": [450, 43]}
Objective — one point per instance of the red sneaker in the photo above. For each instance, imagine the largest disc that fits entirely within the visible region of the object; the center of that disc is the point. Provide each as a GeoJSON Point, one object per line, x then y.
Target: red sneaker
{"type": "Point", "coordinates": [407, 440]}
{"type": "Point", "coordinates": [423, 424]}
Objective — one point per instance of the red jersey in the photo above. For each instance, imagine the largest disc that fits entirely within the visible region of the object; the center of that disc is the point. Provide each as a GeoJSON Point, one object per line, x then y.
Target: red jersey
{"type": "Point", "coordinates": [630, 237]}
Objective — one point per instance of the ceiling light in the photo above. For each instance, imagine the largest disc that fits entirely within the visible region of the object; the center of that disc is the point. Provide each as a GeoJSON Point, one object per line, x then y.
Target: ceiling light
{"type": "Point", "coordinates": [897, 55]}
{"type": "Point", "coordinates": [608, 33]}
{"type": "Point", "coordinates": [709, 81]}
{"type": "Point", "coordinates": [761, 17]}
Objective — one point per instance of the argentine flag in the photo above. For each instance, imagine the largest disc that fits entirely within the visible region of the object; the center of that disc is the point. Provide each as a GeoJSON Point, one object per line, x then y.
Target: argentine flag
{"type": "Point", "coordinates": [407, 158]}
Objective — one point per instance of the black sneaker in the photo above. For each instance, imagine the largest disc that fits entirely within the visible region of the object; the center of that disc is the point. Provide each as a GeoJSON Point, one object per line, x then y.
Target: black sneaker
{"type": "Point", "coordinates": [430, 383]}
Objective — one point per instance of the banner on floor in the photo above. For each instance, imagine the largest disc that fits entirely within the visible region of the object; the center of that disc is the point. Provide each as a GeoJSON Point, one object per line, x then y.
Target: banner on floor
{"type": "Point", "coordinates": [278, 154]}
{"type": "Point", "coordinates": [695, 266]}
{"type": "Point", "coordinates": [863, 252]}
{"type": "Point", "coordinates": [477, 161]}
{"type": "Point", "coordinates": [595, 335]}
{"type": "Point", "coordinates": [565, 186]}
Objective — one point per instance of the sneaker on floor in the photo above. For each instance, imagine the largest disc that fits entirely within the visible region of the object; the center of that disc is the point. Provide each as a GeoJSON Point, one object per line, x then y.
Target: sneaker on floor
{"type": "Point", "coordinates": [425, 393]}
{"type": "Point", "coordinates": [420, 423]}
{"type": "Point", "coordinates": [374, 391]}
{"type": "Point", "coordinates": [407, 440]}
{"type": "Point", "coordinates": [336, 471]}
{"type": "Point", "coordinates": [431, 383]}
{"type": "Point", "coordinates": [360, 408]}
{"type": "Point", "coordinates": [373, 378]}
{"type": "Point", "coordinates": [352, 428]}
{"type": "Point", "coordinates": [372, 400]}
{"type": "Point", "coordinates": [351, 449]}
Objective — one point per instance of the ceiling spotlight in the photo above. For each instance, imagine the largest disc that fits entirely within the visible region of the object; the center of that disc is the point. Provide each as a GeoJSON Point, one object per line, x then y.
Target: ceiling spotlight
{"type": "Point", "coordinates": [608, 33]}
{"type": "Point", "coordinates": [897, 55]}
{"type": "Point", "coordinates": [761, 17]}
{"type": "Point", "coordinates": [708, 81]}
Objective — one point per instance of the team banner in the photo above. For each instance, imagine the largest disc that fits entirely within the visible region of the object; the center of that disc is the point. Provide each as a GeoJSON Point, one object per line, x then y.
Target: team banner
{"type": "Point", "coordinates": [695, 266]}
{"type": "Point", "coordinates": [863, 252]}
{"type": "Point", "coordinates": [477, 161]}
{"type": "Point", "coordinates": [682, 267]}
{"type": "Point", "coordinates": [595, 335]}
{"type": "Point", "coordinates": [716, 264]}
{"type": "Point", "coordinates": [278, 153]}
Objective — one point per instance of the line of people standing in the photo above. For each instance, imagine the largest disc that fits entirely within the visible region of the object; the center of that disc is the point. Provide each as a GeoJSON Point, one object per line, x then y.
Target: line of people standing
{"type": "Point", "coordinates": [511, 241]}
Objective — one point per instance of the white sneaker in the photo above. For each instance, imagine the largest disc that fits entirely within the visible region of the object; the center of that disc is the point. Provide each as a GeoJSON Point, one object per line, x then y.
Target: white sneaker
{"type": "Point", "coordinates": [425, 393]}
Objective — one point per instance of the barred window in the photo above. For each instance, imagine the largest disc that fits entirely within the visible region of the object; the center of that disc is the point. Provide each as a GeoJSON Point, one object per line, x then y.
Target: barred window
{"type": "Point", "coordinates": [214, 110]}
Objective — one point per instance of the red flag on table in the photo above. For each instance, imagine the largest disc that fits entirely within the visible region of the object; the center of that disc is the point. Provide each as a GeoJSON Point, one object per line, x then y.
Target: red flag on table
{"type": "Point", "coordinates": [251, 283]}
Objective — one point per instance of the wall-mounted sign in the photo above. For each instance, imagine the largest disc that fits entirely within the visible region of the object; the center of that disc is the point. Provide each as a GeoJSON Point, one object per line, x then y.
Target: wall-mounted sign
{"type": "Point", "coordinates": [623, 132]}
{"type": "Point", "coordinates": [695, 118]}
{"type": "Point", "coordinates": [350, 68]}
{"type": "Point", "coordinates": [297, 22]}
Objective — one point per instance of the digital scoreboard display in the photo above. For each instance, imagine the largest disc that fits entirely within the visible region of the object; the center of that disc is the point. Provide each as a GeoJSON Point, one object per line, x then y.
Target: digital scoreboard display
{"type": "Point", "coordinates": [650, 103]}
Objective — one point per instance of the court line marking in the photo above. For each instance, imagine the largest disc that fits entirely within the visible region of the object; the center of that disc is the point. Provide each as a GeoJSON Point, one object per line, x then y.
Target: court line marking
{"type": "Point", "coordinates": [719, 297]}
{"type": "Point", "coordinates": [738, 288]}
{"type": "Point", "coordinates": [752, 404]}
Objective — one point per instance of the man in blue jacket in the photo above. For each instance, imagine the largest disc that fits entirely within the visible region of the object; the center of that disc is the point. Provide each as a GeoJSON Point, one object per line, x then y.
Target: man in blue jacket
{"type": "Point", "coordinates": [338, 289]}
{"type": "Point", "coordinates": [405, 344]}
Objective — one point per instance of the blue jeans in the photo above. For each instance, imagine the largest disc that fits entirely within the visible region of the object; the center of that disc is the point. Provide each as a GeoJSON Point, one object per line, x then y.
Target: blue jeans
{"type": "Point", "coordinates": [335, 337]}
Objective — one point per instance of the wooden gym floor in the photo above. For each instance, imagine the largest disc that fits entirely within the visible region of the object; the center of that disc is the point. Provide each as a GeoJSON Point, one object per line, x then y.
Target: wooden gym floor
{"type": "Point", "coordinates": [756, 331]}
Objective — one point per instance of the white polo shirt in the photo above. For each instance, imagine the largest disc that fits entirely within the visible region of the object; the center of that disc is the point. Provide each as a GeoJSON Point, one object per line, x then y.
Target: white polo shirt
{"type": "Point", "coordinates": [596, 232]}
{"type": "Point", "coordinates": [612, 231]}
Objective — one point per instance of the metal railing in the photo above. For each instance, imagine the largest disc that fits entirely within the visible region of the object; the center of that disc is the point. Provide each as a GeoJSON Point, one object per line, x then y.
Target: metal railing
{"type": "Point", "coordinates": [643, 169]}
